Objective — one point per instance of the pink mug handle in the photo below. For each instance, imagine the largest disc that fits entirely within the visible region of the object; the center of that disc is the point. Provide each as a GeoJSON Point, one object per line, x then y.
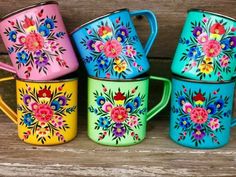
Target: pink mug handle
{"type": "Point", "coordinates": [7, 67]}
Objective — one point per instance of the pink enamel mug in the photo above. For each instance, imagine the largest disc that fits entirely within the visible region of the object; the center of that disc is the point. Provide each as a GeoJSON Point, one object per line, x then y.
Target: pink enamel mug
{"type": "Point", "coordinates": [37, 43]}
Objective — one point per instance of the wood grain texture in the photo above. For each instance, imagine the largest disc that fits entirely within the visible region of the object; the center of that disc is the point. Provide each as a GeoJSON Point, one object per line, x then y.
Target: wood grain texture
{"type": "Point", "coordinates": [157, 155]}
{"type": "Point", "coordinates": [170, 15]}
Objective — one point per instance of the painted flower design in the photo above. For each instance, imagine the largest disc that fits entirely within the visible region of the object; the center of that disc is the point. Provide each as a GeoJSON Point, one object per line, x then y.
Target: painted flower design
{"type": "Point", "coordinates": [121, 113]}
{"type": "Point", "coordinates": [210, 46]}
{"type": "Point", "coordinates": [31, 41]}
{"type": "Point", "coordinates": [200, 117]}
{"type": "Point", "coordinates": [44, 112]}
{"type": "Point", "coordinates": [113, 44]}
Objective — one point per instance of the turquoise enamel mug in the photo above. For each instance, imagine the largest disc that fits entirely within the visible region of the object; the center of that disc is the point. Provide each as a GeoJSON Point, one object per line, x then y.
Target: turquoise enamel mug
{"type": "Point", "coordinates": [201, 113]}
{"type": "Point", "coordinates": [207, 47]}
{"type": "Point", "coordinates": [110, 47]}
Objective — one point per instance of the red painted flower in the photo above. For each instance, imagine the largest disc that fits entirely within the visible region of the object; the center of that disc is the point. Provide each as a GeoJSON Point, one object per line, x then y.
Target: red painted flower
{"type": "Point", "coordinates": [28, 23]}
{"type": "Point", "coordinates": [112, 48]}
{"type": "Point", "coordinates": [199, 98]}
{"type": "Point", "coordinates": [119, 114]}
{"type": "Point", "coordinates": [104, 31]}
{"type": "Point", "coordinates": [44, 93]}
{"type": "Point", "coordinates": [43, 113]}
{"type": "Point", "coordinates": [212, 48]}
{"type": "Point", "coordinates": [34, 42]}
{"type": "Point", "coordinates": [119, 98]}
{"type": "Point", "coordinates": [217, 28]}
{"type": "Point", "coordinates": [199, 115]}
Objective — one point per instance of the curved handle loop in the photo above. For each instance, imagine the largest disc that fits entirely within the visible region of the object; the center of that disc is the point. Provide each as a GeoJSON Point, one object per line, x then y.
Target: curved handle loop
{"type": "Point", "coordinates": [152, 24]}
{"type": "Point", "coordinates": [165, 97]}
{"type": "Point", "coordinates": [233, 122]}
{"type": "Point", "coordinates": [4, 107]}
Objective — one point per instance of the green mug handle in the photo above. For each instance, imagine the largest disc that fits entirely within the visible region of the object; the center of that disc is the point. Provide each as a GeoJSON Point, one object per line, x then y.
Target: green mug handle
{"type": "Point", "coordinates": [165, 97]}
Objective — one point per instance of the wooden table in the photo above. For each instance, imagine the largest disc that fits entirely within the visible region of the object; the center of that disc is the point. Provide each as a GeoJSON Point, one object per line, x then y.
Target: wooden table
{"type": "Point", "coordinates": [157, 155]}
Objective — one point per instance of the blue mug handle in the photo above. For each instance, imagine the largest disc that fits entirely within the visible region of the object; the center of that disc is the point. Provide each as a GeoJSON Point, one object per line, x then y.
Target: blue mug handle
{"type": "Point", "coordinates": [233, 122]}
{"type": "Point", "coordinates": [152, 24]}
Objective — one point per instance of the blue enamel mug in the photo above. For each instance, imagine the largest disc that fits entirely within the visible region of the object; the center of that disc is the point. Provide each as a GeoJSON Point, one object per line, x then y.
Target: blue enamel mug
{"type": "Point", "coordinates": [207, 47]}
{"type": "Point", "coordinates": [110, 47]}
{"type": "Point", "coordinates": [201, 113]}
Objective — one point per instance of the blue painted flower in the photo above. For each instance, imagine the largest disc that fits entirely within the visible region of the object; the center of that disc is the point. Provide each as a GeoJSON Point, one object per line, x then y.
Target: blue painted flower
{"type": "Point", "coordinates": [129, 107]}
{"type": "Point", "coordinates": [55, 105]}
{"type": "Point", "coordinates": [137, 101]}
{"type": "Point", "coordinates": [181, 100]}
{"type": "Point", "coordinates": [104, 122]}
{"type": "Point", "coordinates": [12, 36]}
{"type": "Point", "coordinates": [120, 37]}
{"type": "Point", "coordinates": [44, 31]}
{"type": "Point", "coordinates": [102, 62]}
{"type": "Point", "coordinates": [124, 31]}
{"type": "Point", "coordinates": [184, 122]}
{"type": "Point", "coordinates": [49, 23]}
{"type": "Point", "coordinates": [194, 53]}
{"type": "Point", "coordinates": [100, 100]}
{"type": "Point", "coordinates": [225, 44]}
{"type": "Point", "coordinates": [27, 119]}
{"type": "Point", "coordinates": [60, 34]}
{"type": "Point", "coordinates": [10, 50]}
{"type": "Point", "coordinates": [197, 31]}
{"type": "Point", "coordinates": [22, 57]}
{"type": "Point", "coordinates": [219, 104]}
{"type": "Point", "coordinates": [211, 109]}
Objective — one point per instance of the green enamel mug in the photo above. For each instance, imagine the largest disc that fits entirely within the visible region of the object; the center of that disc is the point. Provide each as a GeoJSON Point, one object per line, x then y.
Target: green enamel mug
{"type": "Point", "coordinates": [117, 109]}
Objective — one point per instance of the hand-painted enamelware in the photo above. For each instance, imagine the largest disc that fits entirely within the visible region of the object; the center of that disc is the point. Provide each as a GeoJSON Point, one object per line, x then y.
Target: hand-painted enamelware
{"type": "Point", "coordinates": [207, 47]}
{"type": "Point", "coordinates": [117, 109]}
{"type": "Point", "coordinates": [110, 47]}
{"type": "Point", "coordinates": [46, 111]}
{"type": "Point", "coordinates": [37, 43]}
{"type": "Point", "coordinates": [201, 113]}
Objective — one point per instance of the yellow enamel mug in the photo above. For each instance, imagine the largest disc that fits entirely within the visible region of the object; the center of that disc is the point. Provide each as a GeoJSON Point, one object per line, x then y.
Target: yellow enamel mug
{"type": "Point", "coordinates": [46, 110]}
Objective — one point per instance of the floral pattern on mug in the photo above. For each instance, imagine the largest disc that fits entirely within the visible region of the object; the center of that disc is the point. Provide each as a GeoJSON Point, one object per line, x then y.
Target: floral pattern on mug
{"type": "Point", "coordinates": [210, 48]}
{"type": "Point", "coordinates": [34, 41]}
{"type": "Point", "coordinates": [200, 115]}
{"type": "Point", "coordinates": [44, 112]}
{"type": "Point", "coordinates": [112, 48]}
{"type": "Point", "coordinates": [118, 113]}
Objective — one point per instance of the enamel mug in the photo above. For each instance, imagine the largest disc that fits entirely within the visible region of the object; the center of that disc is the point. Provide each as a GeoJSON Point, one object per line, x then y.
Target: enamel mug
{"type": "Point", "coordinates": [201, 113]}
{"type": "Point", "coordinates": [207, 47]}
{"type": "Point", "coordinates": [117, 109]}
{"type": "Point", "coordinates": [110, 47]}
{"type": "Point", "coordinates": [46, 111]}
{"type": "Point", "coordinates": [37, 43]}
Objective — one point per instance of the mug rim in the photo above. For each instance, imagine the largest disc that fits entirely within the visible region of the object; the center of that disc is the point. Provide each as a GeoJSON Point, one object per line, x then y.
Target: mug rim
{"type": "Point", "coordinates": [174, 76]}
{"type": "Point", "coordinates": [120, 80]}
{"type": "Point", "coordinates": [212, 13]}
{"type": "Point", "coordinates": [98, 18]}
{"type": "Point", "coordinates": [26, 8]}
{"type": "Point", "coordinates": [46, 81]}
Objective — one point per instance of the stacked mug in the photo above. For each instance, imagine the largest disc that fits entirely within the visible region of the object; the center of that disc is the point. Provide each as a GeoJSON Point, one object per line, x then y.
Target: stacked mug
{"type": "Point", "coordinates": [204, 67]}
{"type": "Point", "coordinates": [118, 84]}
{"type": "Point", "coordinates": [40, 51]}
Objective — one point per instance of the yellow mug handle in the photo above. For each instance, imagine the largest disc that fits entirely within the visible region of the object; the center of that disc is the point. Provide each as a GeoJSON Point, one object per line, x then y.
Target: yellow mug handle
{"type": "Point", "coordinates": [4, 107]}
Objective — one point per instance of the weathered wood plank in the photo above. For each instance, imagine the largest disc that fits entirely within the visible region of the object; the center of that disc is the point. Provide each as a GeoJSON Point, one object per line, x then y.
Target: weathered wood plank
{"type": "Point", "coordinates": [157, 155]}
{"type": "Point", "coordinates": [170, 14]}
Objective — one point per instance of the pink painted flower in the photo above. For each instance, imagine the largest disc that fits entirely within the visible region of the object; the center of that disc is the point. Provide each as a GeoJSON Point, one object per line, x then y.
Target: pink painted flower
{"type": "Point", "coordinates": [33, 106]}
{"type": "Point", "coordinates": [212, 48]}
{"type": "Point", "coordinates": [89, 31]}
{"type": "Point", "coordinates": [187, 107]}
{"type": "Point", "coordinates": [233, 29]}
{"type": "Point", "coordinates": [218, 74]}
{"type": "Point", "coordinates": [107, 107]}
{"type": "Point", "coordinates": [98, 46]}
{"type": "Point", "coordinates": [135, 64]}
{"type": "Point", "coordinates": [119, 114]}
{"type": "Point", "coordinates": [199, 115]}
{"type": "Point", "coordinates": [133, 121]}
{"type": "Point", "coordinates": [22, 39]}
{"type": "Point", "coordinates": [108, 75]}
{"type": "Point", "coordinates": [34, 42]}
{"type": "Point", "coordinates": [57, 122]}
{"type": "Point", "coordinates": [205, 19]}
{"type": "Point", "coordinates": [104, 31]}
{"type": "Point", "coordinates": [214, 124]}
{"type": "Point", "coordinates": [202, 38]}
{"type": "Point", "coordinates": [43, 113]}
{"type": "Point", "coordinates": [194, 63]}
{"type": "Point", "coordinates": [140, 68]}
{"type": "Point", "coordinates": [224, 61]}
{"type": "Point", "coordinates": [112, 48]}
{"type": "Point", "coordinates": [130, 52]}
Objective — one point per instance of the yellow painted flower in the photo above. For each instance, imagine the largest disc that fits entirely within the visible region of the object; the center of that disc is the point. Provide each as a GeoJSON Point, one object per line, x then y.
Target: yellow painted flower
{"type": "Point", "coordinates": [206, 66]}
{"type": "Point", "coordinates": [119, 65]}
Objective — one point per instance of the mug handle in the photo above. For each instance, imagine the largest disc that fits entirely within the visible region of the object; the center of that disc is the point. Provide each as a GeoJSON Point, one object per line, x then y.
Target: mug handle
{"type": "Point", "coordinates": [152, 24]}
{"type": "Point", "coordinates": [233, 122]}
{"type": "Point", "coordinates": [4, 107]}
{"type": "Point", "coordinates": [165, 97]}
{"type": "Point", "coordinates": [7, 67]}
